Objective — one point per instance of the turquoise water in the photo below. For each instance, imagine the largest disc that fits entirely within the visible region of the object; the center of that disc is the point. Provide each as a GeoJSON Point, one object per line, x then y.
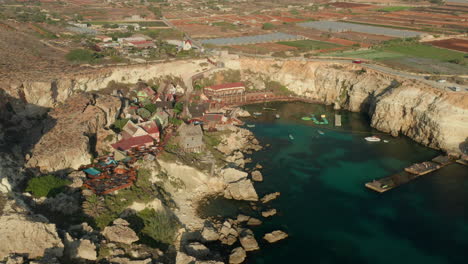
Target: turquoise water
{"type": "Point", "coordinates": [331, 217]}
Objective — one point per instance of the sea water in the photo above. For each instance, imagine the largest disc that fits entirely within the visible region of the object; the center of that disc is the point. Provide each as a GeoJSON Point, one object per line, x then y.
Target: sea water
{"type": "Point", "coordinates": [325, 208]}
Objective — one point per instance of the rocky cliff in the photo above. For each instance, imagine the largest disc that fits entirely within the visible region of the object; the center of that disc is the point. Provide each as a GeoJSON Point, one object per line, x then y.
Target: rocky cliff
{"type": "Point", "coordinates": [433, 117]}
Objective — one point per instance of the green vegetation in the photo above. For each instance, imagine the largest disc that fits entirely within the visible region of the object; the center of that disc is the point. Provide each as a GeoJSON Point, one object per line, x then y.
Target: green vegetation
{"type": "Point", "coordinates": [162, 33]}
{"type": "Point", "coordinates": [277, 88]}
{"type": "Point", "coordinates": [178, 107]}
{"type": "Point", "coordinates": [306, 45]}
{"type": "Point", "coordinates": [225, 25]}
{"type": "Point", "coordinates": [46, 186]}
{"type": "Point", "coordinates": [144, 113]}
{"type": "Point", "coordinates": [151, 108]}
{"type": "Point", "coordinates": [82, 56]}
{"type": "Point", "coordinates": [160, 226]}
{"type": "Point", "coordinates": [268, 26]}
{"type": "Point", "coordinates": [393, 8]}
{"type": "Point", "coordinates": [120, 123]}
{"type": "Point", "coordinates": [104, 209]}
{"type": "Point", "coordinates": [175, 121]}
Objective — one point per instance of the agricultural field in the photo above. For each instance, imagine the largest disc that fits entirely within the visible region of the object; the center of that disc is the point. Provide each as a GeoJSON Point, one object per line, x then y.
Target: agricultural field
{"type": "Point", "coordinates": [414, 57]}
{"type": "Point", "coordinates": [264, 38]}
{"type": "Point", "coordinates": [393, 8]}
{"type": "Point", "coordinates": [453, 44]}
{"type": "Point", "coordinates": [308, 45]}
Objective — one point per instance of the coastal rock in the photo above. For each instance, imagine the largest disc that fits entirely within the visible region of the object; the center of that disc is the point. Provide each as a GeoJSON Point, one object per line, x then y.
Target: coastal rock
{"type": "Point", "coordinates": [257, 176]}
{"type": "Point", "coordinates": [241, 190]}
{"type": "Point", "coordinates": [270, 197]}
{"type": "Point", "coordinates": [129, 261]}
{"type": "Point", "coordinates": [77, 178]}
{"type": "Point", "coordinates": [242, 218]}
{"type": "Point", "coordinates": [275, 236]}
{"type": "Point", "coordinates": [228, 233]}
{"type": "Point", "coordinates": [254, 222]}
{"type": "Point", "coordinates": [238, 139]}
{"type": "Point", "coordinates": [209, 234]}
{"type": "Point", "coordinates": [120, 232]}
{"type": "Point", "coordinates": [238, 186]}
{"type": "Point", "coordinates": [269, 213]}
{"type": "Point", "coordinates": [197, 250]}
{"type": "Point", "coordinates": [183, 258]}
{"type": "Point", "coordinates": [237, 256]}
{"type": "Point", "coordinates": [28, 234]}
{"type": "Point", "coordinates": [247, 240]}
{"type": "Point", "coordinates": [72, 129]}
{"type": "Point", "coordinates": [14, 260]}
{"type": "Point", "coordinates": [81, 249]}
{"type": "Point", "coordinates": [67, 204]}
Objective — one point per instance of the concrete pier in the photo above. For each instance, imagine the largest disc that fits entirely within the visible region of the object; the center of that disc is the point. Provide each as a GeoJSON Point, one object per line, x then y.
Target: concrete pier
{"type": "Point", "coordinates": [410, 173]}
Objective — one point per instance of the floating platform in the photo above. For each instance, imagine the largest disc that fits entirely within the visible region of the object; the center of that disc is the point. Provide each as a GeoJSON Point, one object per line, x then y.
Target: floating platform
{"type": "Point", "coordinates": [337, 120]}
{"type": "Point", "coordinates": [410, 173]}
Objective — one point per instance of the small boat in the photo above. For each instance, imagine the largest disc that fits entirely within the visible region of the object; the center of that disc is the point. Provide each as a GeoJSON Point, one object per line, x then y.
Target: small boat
{"type": "Point", "coordinates": [321, 132]}
{"type": "Point", "coordinates": [251, 125]}
{"type": "Point", "coordinates": [277, 116]}
{"type": "Point", "coordinates": [372, 139]}
{"type": "Point", "coordinates": [291, 137]}
{"type": "Point", "coordinates": [257, 113]}
{"type": "Point", "coordinates": [386, 141]}
{"type": "Point", "coordinates": [269, 109]}
{"type": "Point", "coordinates": [306, 118]}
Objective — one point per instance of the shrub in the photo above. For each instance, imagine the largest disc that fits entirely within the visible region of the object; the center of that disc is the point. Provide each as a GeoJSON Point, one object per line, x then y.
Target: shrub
{"type": "Point", "coordinates": [179, 107]}
{"type": "Point", "coordinates": [81, 55]}
{"type": "Point", "coordinates": [268, 26]}
{"type": "Point", "coordinates": [160, 226]}
{"type": "Point", "coordinates": [46, 186]}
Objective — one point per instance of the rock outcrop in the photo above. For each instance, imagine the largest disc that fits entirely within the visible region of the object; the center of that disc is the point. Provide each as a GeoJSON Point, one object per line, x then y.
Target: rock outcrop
{"type": "Point", "coordinates": [270, 197]}
{"type": "Point", "coordinates": [24, 233]}
{"type": "Point", "coordinates": [239, 187]}
{"type": "Point", "coordinates": [74, 128]}
{"type": "Point", "coordinates": [275, 236]}
{"type": "Point", "coordinates": [237, 256]}
{"type": "Point", "coordinates": [257, 176]}
{"type": "Point", "coordinates": [248, 241]}
{"type": "Point", "coordinates": [120, 232]}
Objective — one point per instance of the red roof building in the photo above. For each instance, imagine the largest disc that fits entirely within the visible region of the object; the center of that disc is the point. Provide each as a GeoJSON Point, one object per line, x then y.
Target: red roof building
{"type": "Point", "coordinates": [151, 128]}
{"type": "Point", "coordinates": [126, 144]}
{"type": "Point", "coordinates": [142, 44]}
{"type": "Point", "coordinates": [229, 92]}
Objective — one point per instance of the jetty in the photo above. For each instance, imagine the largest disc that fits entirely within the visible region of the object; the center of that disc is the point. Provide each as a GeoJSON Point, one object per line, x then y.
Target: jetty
{"type": "Point", "coordinates": [410, 173]}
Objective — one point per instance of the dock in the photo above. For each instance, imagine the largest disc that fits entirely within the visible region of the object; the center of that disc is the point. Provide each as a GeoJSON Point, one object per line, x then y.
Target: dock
{"type": "Point", "coordinates": [408, 174]}
{"type": "Point", "coordinates": [337, 120]}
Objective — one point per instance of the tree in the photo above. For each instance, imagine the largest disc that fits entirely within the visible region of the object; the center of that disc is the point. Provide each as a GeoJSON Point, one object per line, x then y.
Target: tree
{"type": "Point", "coordinates": [179, 107]}
{"type": "Point", "coordinates": [160, 226]}
{"type": "Point", "coordinates": [268, 26]}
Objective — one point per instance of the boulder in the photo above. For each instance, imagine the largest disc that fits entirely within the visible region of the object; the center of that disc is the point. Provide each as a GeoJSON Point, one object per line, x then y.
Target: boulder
{"type": "Point", "coordinates": [275, 236]}
{"type": "Point", "coordinates": [242, 218]}
{"type": "Point", "coordinates": [237, 256]}
{"type": "Point", "coordinates": [247, 240]}
{"type": "Point", "coordinates": [67, 204]}
{"type": "Point", "coordinates": [120, 232]}
{"type": "Point", "coordinates": [77, 178]}
{"type": "Point", "coordinates": [82, 249]}
{"type": "Point", "coordinates": [269, 213]}
{"type": "Point", "coordinates": [30, 235]}
{"type": "Point", "coordinates": [270, 197]}
{"type": "Point", "coordinates": [129, 261]}
{"type": "Point", "coordinates": [257, 176]}
{"type": "Point", "coordinates": [197, 250]}
{"type": "Point", "coordinates": [241, 190]}
{"type": "Point", "coordinates": [254, 222]}
{"type": "Point", "coordinates": [231, 175]}
{"type": "Point", "coordinates": [209, 234]}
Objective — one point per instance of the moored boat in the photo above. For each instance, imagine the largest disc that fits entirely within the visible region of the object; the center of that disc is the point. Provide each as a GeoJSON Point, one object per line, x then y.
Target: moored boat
{"type": "Point", "coordinates": [251, 125]}
{"type": "Point", "coordinates": [277, 116]}
{"type": "Point", "coordinates": [257, 113]}
{"type": "Point", "coordinates": [372, 139]}
{"type": "Point", "coordinates": [291, 137]}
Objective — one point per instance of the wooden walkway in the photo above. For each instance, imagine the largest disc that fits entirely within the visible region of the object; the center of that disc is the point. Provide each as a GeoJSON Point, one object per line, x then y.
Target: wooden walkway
{"type": "Point", "coordinates": [410, 173]}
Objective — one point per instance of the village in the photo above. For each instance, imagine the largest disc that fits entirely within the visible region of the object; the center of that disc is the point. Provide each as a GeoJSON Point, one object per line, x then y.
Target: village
{"type": "Point", "coordinates": [153, 121]}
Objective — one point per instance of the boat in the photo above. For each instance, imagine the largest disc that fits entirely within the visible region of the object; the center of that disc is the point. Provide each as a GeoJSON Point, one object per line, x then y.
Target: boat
{"type": "Point", "coordinates": [386, 141]}
{"type": "Point", "coordinates": [251, 125]}
{"type": "Point", "coordinates": [269, 109]}
{"type": "Point", "coordinates": [291, 137]}
{"type": "Point", "coordinates": [257, 113]}
{"type": "Point", "coordinates": [320, 132]}
{"type": "Point", "coordinates": [306, 118]}
{"type": "Point", "coordinates": [372, 139]}
{"type": "Point", "coordinates": [277, 116]}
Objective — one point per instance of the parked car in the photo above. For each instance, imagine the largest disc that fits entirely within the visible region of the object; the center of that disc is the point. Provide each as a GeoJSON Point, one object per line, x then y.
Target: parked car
{"type": "Point", "coordinates": [357, 61]}
{"type": "Point", "coordinates": [455, 88]}
{"type": "Point", "coordinates": [441, 81]}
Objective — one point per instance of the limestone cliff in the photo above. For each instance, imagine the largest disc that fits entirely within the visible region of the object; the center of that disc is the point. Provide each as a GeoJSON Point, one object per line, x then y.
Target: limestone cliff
{"type": "Point", "coordinates": [433, 117]}
{"type": "Point", "coordinates": [73, 128]}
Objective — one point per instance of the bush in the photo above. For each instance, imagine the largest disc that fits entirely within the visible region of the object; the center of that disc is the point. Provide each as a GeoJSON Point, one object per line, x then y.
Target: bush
{"type": "Point", "coordinates": [179, 107]}
{"type": "Point", "coordinates": [46, 186]}
{"type": "Point", "coordinates": [160, 226]}
{"type": "Point", "coordinates": [81, 55]}
{"type": "Point", "coordinates": [268, 26]}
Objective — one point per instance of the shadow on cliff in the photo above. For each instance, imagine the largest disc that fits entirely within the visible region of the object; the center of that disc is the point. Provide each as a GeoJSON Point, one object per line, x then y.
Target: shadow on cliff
{"type": "Point", "coordinates": [464, 146]}
{"type": "Point", "coordinates": [22, 125]}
